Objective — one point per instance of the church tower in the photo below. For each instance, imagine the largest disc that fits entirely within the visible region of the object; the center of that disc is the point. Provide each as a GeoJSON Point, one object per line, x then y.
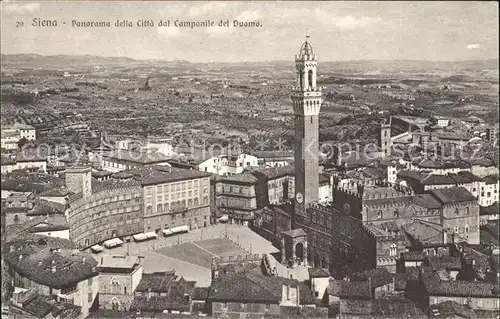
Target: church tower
{"type": "Point", "coordinates": [306, 98]}
{"type": "Point", "coordinates": [385, 138]}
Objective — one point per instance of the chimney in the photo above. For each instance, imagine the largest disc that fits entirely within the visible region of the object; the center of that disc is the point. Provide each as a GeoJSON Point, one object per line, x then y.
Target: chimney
{"type": "Point", "coordinates": [148, 296]}
{"type": "Point", "coordinates": [53, 269]}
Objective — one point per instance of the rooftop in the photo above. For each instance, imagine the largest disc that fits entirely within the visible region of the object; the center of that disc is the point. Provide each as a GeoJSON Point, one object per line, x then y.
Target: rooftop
{"type": "Point", "coordinates": [119, 261]}
{"type": "Point", "coordinates": [157, 176]}
{"type": "Point", "coordinates": [253, 287]}
{"type": "Point", "coordinates": [49, 261]}
{"type": "Point", "coordinates": [452, 195]}
{"type": "Point", "coordinates": [436, 287]}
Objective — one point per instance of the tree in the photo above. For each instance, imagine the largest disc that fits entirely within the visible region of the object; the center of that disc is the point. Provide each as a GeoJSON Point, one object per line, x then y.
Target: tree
{"type": "Point", "coordinates": [23, 141]}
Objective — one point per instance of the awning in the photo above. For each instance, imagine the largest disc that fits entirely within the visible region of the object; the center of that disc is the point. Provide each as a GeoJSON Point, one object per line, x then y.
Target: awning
{"type": "Point", "coordinates": [176, 230]}
{"type": "Point", "coordinates": [140, 236]}
{"type": "Point", "coordinates": [110, 243]}
{"type": "Point", "coordinates": [150, 235]}
{"type": "Point", "coordinates": [97, 248]}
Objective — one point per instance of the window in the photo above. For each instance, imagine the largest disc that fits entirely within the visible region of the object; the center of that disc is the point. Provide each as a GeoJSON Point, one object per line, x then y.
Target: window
{"type": "Point", "coordinates": [125, 290]}
{"type": "Point", "coordinates": [456, 211]}
{"type": "Point", "coordinates": [159, 208]}
{"type": "Point", "coordinates": [396, 213]}
{"type": "Point", "coordinates": [16, 218]}
{"type": "Point", "coordinates": [393, 250]}
{"type": "Point", "coordinates": [268, 307]}
{"type": "Point", "coordinates": [90, 297]}
{"type": "Point", "coordinates": [89, 282]}
{"type": "Point", "coordinates": [466, 228]}
{"type": "Point", "coordinates": [480, 303]}
{"type": "Point", "coordinates": [379, 214]}
{"type": "Point", "coordinates": [456, 229]}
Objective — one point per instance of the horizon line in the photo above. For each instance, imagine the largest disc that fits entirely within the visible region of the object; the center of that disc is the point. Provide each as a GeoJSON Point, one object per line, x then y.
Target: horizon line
{"type": "Point", "coordinates": [261, 61]}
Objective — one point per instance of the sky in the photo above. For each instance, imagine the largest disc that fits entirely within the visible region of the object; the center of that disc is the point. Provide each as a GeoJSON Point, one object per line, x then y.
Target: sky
{"type": "Point", "coordinates": [338, 31]}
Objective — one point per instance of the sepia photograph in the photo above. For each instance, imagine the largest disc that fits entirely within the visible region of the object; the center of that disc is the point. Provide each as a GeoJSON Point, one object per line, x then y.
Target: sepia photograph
{"type": "Point", "coordinates": [249, 159]}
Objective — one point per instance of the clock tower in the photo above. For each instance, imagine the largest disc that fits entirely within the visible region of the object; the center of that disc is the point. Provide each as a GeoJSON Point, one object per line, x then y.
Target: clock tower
{"type": "Point", "coordinates": [306, 99]}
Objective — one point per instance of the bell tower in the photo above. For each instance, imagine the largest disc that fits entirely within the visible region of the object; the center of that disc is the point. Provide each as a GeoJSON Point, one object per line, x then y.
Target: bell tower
{"type": "Point", "coordinates": [306, 99]}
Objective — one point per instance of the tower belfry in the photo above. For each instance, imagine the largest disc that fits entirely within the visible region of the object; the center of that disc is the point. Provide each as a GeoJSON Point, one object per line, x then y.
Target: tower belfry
{"type": "Point", "coordinates": [306, 98]}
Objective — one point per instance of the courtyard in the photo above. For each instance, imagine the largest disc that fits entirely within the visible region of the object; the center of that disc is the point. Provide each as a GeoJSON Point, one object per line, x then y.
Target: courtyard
{"type": "Point", "coordinates": [190, 254]}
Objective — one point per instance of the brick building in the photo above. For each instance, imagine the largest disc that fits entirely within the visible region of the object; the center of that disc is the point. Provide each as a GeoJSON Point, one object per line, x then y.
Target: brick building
{"type": "Point", "coordinates": [119, 277]}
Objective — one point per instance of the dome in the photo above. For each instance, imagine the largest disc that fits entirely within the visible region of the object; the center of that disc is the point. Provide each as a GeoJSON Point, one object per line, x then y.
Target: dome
{"type": "Point", "coordinates": [306, 49]}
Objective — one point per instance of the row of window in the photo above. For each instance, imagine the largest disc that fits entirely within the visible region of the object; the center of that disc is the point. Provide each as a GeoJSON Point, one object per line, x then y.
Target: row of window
{"type": "Point", "coordinates": [176, 187]}
{"type": "Point", "coordinates": [177, 205]}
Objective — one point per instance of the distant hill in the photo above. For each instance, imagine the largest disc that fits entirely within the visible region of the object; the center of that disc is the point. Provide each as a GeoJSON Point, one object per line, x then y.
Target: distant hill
{"type": "Point", "coordinates": [32, 60]}
{"type": "Point", "coordinates": [35, 60]}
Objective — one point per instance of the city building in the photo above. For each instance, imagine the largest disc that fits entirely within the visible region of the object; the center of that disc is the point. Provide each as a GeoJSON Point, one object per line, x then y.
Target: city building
{"type": "Point", "coordinates": [163, 292]}
{"type": "Point", "coordinates": [121, 160]}
{"type": "Point", "coordinates": [105, 210]}
{"type": "Point", "coordinates": [26, 303]}
{"type": "Point", "coordinates": [54, 267]}
{"type": "Point", "coordinates": [12, 134]}
{"type": "Point", "coordinates": [227, 165]}
{"type": "Point", "coordinates": [119, 276]}
{"type": "Point", "coordinates": [174, 198]}
{"type": "Point", "coordinates": [249, 293]}
{"type": "Point", "coordinates": [273, 158]}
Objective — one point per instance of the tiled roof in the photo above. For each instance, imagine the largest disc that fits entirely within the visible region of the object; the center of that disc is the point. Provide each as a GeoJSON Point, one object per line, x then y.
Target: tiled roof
{"type": "Point", "coordinates": [444, 262]}
{"type": "Point", "coordinates": [375, 173]}
{"type": "Point", "coordinates": [489, 210]}
{"type": "Point", "coordinates": [157, 282]}
{"type": "Point", "coordinates": [378, 276]}
{"type": "Point", "coordinates": [41, 306]}
{"type": "Point", "coordinates": [491, 179]}
{"type": "Point", "coordinates": [143, 158]}
{"type": "Point", "coordinates": [451, 309]}
{"type": "Point", "coordinates": [426, 201]}
{"type": "Point", "coordinates": [452, 195]}
{"type": "Point", "coordinates": [318, 272]}
{"type": "Point", "coordinates": [164, 283]}
{"type": "Point", "coordinates": [395, 308]}
{"type": "Point", "coordinates": [350, 289]}
{"type": "Point", "coordinates": [413, 255]}
{"type": "Point", "coordinates": [434, 179]}
{"type": "Point", "coordinates": [39, 254]}
{"type": "Point", "coordinates": [176, 174]}
{"type": "Point", "coordinates": [470, 176]}
{"type": "Point", "coordinates": [424, 232]}
{"type": "Point", "coordinates": [410, 174]}
{"type": "Point", "coordinates": [253, 287]}
{"type": "Point", "coordinates": [459, 178]}
{"type": "Point", "coordinates": [56, 192]}
{"type": "Point", "coordinates": [247, 177]}
{"type": "Point", "coordinates": [49, 223]}
{"type": "Point", "coordinates": [200, 293]}
{"type": "Point", "coordinates": [436, 287]}
{"type": "Point", "coordinates": [118, 261]}
{"type": "Point", "coordinates": [273, 154]}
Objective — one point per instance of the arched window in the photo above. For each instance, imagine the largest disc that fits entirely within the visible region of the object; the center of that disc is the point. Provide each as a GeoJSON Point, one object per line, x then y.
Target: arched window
{"type": "Point", "coordinates": [16, 218]}
{"type": "Point", "coordinates": [396, 213]}
{"type": "Point", "coordinates": [115, 286]}
{"type": "Point", "coordinates": [190, 202]}
{"type": "Point", "coordinates": [466, 228]}
{"type": "Point", "coordinates": [301, 79]}
{"type": "Point", "coordinates": [115, 304]}
{"type": "Point", "coordinates": [149, 210]}
{"type": "Point", "coordinates": [159, 208]}
{"type": "Point", "coordinates": [196, 202]}
{"type": "Point", "coordinates": [379, 214]}
{"type": "Point", "coordinates": [310, 78]}
{"type": "Point", "coordinates": [167, 207]}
